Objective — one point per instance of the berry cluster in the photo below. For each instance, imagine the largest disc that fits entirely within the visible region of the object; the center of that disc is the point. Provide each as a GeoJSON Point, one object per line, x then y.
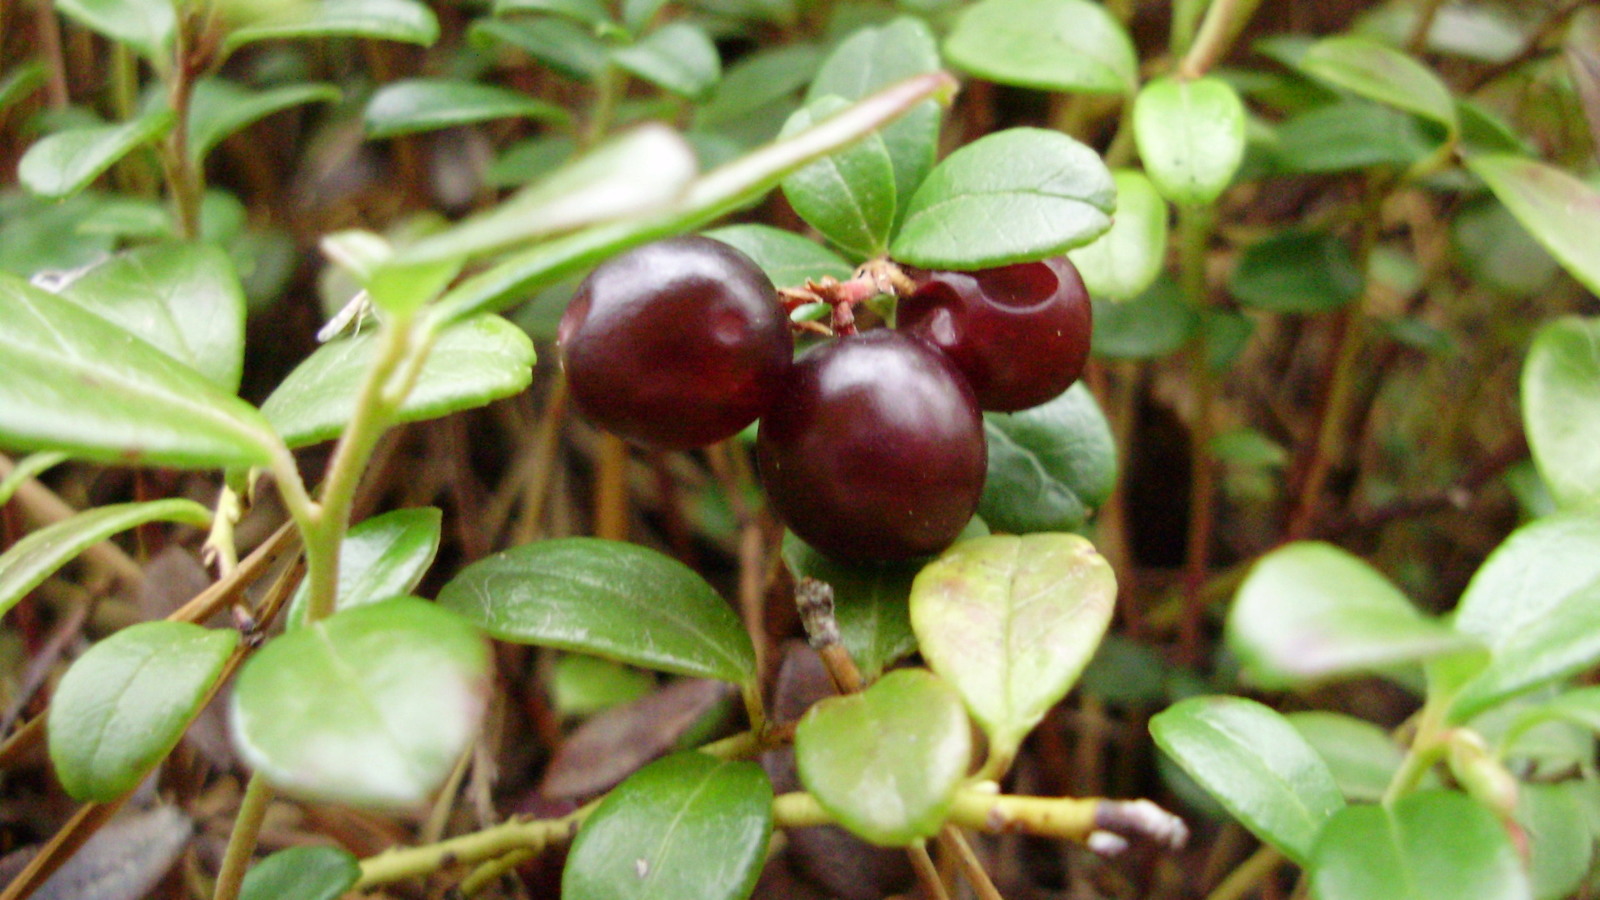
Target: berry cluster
{"type": "Point", "coordinates": [871, 446]}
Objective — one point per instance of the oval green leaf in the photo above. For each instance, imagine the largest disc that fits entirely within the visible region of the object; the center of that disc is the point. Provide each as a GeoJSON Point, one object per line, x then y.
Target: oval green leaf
{"type": "Point", "coordinates": [872, 59]}
{"type": "Point", "coordinates": [886, 763]}
{"type": "Point", "coordinates": [1191, 136]}
{"type": "Point", "coordinates": [1431, 845]}
{"type": "Point", "coordinates": [383, 557]}
{"type": "Point", "coordinates": [1347, 136]}
{"type": "Point", "coordinates": [687, 827]}
{"type": "Point", "coordinates": [788, 259]}
{"type": "Point", "coordinates": [1256, 765]}
{"type": "Point", "coordinates": [1557, 209]}
{"type": "Point", "coordinates": [1050, 466]}
{"type": "Point", "coordinates": [869, 603]}
{"type": "Point", "coordinates": [1012, 196]}
{"type": "Point", "coordinates": [1155, 323]}
{"type": "Point", "coordinates": [28, 562]}
{"type": "Point", "coordinates": [220, 108]}
{"type": "Point", "coordinates": [184, 298]}
{"type": "Point", "coordinates": [849, 196]}
{"type": "Point", "coordinates": [1310, 611]}
{"type": "Point", "coordinates": [1561, 410]}
{"type": "Point", "coordinates": [66, 162]}
{"type": "Point", "coordinates": [1361, 756]}
{"type": "Point", "coordinates": [563, 45]}
{"type": "Point", "coordinates": [1379, 72]}
{"type": "Point", "coordinates": [369, 707]}
{"type": "Point", "coordinates": [1296, 272]}
{"type": "Point", "coordinates": [1123, 262]}
{"type": "Point", "coordinates": [764, 78]}
{"type": "Point", "coordinates": [612, 599]}
{"type": "Point", "coordinates": [429, 104]}
{"type": "Point", "coordinates": [1011, 622]}
{"type": "Point", "coordinates": [147, 26]}
{"type": "Point", "coordinates": [472, 363]}
{"type": "Point", "coordinates": [1052, 45]}
{"type": "Point", "coordinates": [406, 21]}
{"type": "Point", "coordinates": [678, 57]}
{"type": "Point", "coordinates": [303, 873]}
{"type": "Point", "coordinates": [122, 706]}
{"type": "Point", "coordinates": [1553, 817]}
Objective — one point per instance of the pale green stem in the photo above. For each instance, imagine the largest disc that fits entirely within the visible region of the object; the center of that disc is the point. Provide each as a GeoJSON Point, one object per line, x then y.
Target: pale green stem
{"type": "Point", "coordinates": [1223, 22]}
{"type": "Point", "coordinates": [242, 843]}
{"type": "Point", "coordinates": [1248, 875]}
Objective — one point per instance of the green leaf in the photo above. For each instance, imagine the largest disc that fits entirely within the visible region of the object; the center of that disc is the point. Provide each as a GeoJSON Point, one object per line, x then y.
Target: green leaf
{"type": "Point", "coordinates": [471, 363]}
{"type": "Point", "coordinates": [383, 557]}
{"type": "Point", "coordinates": [1296, 272]}
{"type": "Point", "coordinates": [1053, 45]}
{"type": "Point", "coordinates": [1011, 196]}
{"type": "Point", "coordinates": [149, 27]}
{"type": "Point", "coordinates": [182, 298]}
{"type": "Point", "coordinates": [788, 259]}
{"type": "Point", "coordinates": [1431, 845]}
{"type": "Point", "coordinates": [1049, 466]}
{"type": "Point", "coordinates": [72, 381]}
{"type": "Point", "coordinates": [886, 762]}
{"type": "Point", "coordinates": [122, 706]}
{"type": "Point", "coordinates": [1310, 611]}
{"type": "Point", "coordinates": [406, 21]}
{"type": "Point", "coordinates": [588, 12]}
{"type": "Point", "coordinates": [1378, 72]}
{"type": "Point", "coordinates": [869, 603]}
{"type": "Point", "coordinates": [220, 108]}
{"type": "Point", "coordinates": [1153, 324]}
{"type": "Point", "coordinates": [1361, 756]}
{"type": "Point", "coordinates": [634, 174]}
{"type": "Point", "coordinates": [30, 466]}
{"type": "Point", "coordinates": [612, 599]}
{"type": "Point", "coordinates": [21, 81]}
{"type": "Point", "coordinates": [412, 105]}
{"type": "Point", "coordinates": [849, 196]}
{"type": "Point", "coordinates": [719, 191]}
{"type": "Point", "coordinates": [1557, 209]}
{"type": "Point", "coordinates": [66, 162]}
{"type": "Point", "coordinates": [369, 707]}
{"type": "Point", "coordinates": [1123, 262]}
{"type": "Point", "coordinates": [1348, 136]}
{"type": "Point", "coordinates": [687, 827]}
{"type": "Point", "coordinates": [1497, 252]}
{"type": "Point", "coordinates": [764, 78]}
{"type": "Point", "coordinates": [1536, 602]}
{"type": "Point", "coordinates": [678, 57]}
{"type": "Point", "coordinates": [1561, 410]}
{"type": "Point", "coordinates": [566, 47]}
{"type": "Point", "coordinates": [581, 685]}
{"type": "Point", "coordinates": [304, 873]}
{"type": "Point", "coordinates": [1011, 622]}
{"type": "Point", "coordinates": [1256, 765]}
{"type": "Point", "coordinates": [1552, 815]}
{"type": "Point", "coordinates": [1191, 136]}
{"type": "Point", "coordinates": [872, 59]}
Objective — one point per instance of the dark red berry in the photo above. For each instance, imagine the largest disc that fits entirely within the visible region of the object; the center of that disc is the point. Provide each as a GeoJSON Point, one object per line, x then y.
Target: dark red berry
{"type": "Point", "coordinates": [675, 344]}
{"type": "Point", "coordinates": [1020, 334]}
{"type": "Point", "coordinates": [873, 449]}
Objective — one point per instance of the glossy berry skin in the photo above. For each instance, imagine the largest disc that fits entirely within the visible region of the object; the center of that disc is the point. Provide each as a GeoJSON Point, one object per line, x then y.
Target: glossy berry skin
{"type": "Point", "coordinates": [1020, 334]}
{"type": "Point", "coordinates": [675, 344]}
{"type": "Point", "coordinates": [873, 449]}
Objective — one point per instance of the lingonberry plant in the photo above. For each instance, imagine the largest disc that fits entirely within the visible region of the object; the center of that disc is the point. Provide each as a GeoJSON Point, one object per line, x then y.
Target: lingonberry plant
{"type": "Point", "coordinates": [832, 317]}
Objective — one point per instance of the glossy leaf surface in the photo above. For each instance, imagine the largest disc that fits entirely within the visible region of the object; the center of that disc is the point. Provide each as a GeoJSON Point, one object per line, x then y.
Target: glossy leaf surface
{"type": "Point", "coordinates": [848, 196]}
{"type": "Point", "coordinates": [869, 603]}
{"type": "Point", "coordinates": [1557, 209]}
{"type": "Point", "coordinates": [1050, 467]}
{"type": "Point", "coordinates": [220, 108]}
{"type": "Point", "coordinates": [677, 56]}
{"type": "Point", "coordinates": [1053, 45]}
{"type": "Point", "coordinates": [1561, 410]}
{"type": "Point", "coordinates": [1310, 611]}
{"type": "Point", "coordinates": [123, 705]}
{"type": "Point", "coordinates": [1011, 196]}
{"type": "Point", "coordinates": [1123, 262]}
{"type": "Point", "coordinates": [1296, 272]}
{"type": "Point", "coordinates": [184, 298]}
{"type": "Point", "coordinates": [66, 162]}
{"type": "Point", "coordinates": [609, 598]}
{"type": "Point", "coordinates": [430, 104]}
{"type": "Point", "coordinates": [27, 563]}
{"type": "Point", "coordinates": [406, 21]}
{"type": "Point", "coordinates": [147, 26]}
{"type": "Point", "coordinates": [370, 707]}
{"type": "Point", "coordinates": [1253, 762]}
{"type": "Point", "coordinates": [563, 45]}
{"type": "Point", "coordinates": [687, 827]}
{"type": "Point", "coordinates": [383, 557]}
{"type": "Point", "coordinates": [787, 258]}
{"type": "Point", "coordinates": [1190, 136]}
{"type": "Point", "coordinates": [1361, 756]}
{"type": "Point", "coordinates": [886, 762]}
{"type": "Point", "coordinates": [304, 873]}
{"type": "Point", "coordinates": [1431, 845]}
{"type": "Point", "coordinates": [1010, 622]}
{"type": "Point", "coordinates": [1379, 72]}
{"type": "Point", "coordinates": [471, 363]}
